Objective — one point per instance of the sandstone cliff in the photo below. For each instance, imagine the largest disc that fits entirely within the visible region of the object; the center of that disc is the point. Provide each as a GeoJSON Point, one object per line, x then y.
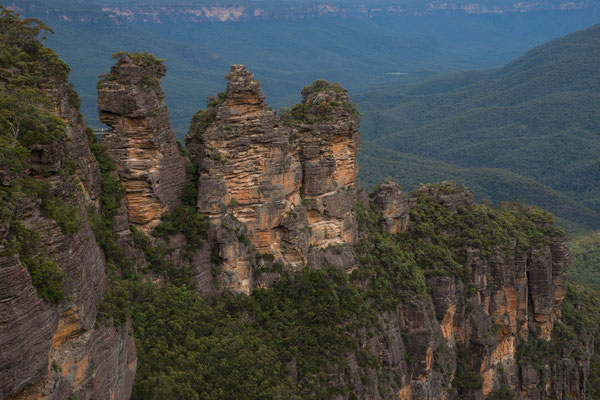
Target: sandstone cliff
{"type": "Point", "coordinates": [52, 271]}
{"type": "Point", "coordinates": [291, 181]}
{"type": "Point", "coordinates": [509, 290]}
{"type": "Point", "coordinates": [141, 142]}
{"type": "Point", "coordinates": [55, 350]}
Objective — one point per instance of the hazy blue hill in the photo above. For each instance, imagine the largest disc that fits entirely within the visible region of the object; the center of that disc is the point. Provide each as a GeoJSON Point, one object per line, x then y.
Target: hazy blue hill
{"type": "Point", "coordinates": [285, 55]}
{"type": "Point", "coordinates": [586, 259]}
{"type": "Point", "coordinates": [536, 117]}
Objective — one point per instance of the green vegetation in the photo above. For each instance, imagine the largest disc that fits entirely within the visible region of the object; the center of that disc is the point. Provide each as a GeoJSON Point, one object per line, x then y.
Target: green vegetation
{"type": "Point", "coordinates": [233, 203]}
{"type": "Point", "coordinates": [47, 279]}
{"type": "Point", "coordinates": [465, 379]}
{"type": "Point", "coordinates": [313, 112]}
{"type": "Point", "coordinates": [66, 216]}
{"type": "Point", "coordinates": [533, 120]}
{"type": "Point", "coordinates": [244, 347]}
{"type": "Point", "coordinates": [586, 260]}
{"type": "Point", "coordinates": [139, 58]}
{"type": "Point", "coordinates": [45, 275]}
{"type": "Point", "coordinates": [503, 393]}
{"type": "Point", "coordinates": [581, 308]}
{"type": "Point", "coordinates": [113, 192]}
{"type": "Point", "coordinates": [187, 221]}
{"type": "Point", "coordinates": [204, 118]}
{"type": "Point", "coordinates": [437, 234]}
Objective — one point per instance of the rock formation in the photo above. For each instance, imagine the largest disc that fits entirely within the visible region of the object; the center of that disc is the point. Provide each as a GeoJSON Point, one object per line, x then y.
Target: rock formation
{"type": "Point", "coordinates": [141, 142]}
{"type": "Point", "coordinates": [57, 350]}
{"type": "Point", "coordinates": [394, 206]}
{"type": "Point", "coordinates": [290, 181]}
{"type": "Point", "coordinates": [326, 126]}
{"type": "Point", "coordinates": [514, 291]}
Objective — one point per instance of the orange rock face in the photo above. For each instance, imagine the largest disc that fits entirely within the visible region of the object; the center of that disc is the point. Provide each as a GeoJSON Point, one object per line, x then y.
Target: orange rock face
{"type": "Point", "coordinates": [141, 142]}
{"type": "Point", "coordinates": [291, 184]}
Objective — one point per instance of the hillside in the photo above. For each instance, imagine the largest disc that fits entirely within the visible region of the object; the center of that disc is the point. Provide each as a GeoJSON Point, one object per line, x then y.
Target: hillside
{"type": "Point", "coordinates": [358, 45]}
{"type": "Point", "coordinates": [535, 117]}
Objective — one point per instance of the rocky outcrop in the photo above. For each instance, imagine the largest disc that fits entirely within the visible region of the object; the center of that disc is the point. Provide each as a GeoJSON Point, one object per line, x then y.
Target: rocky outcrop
{"type": "Point", "coordinates": [66, 104]}
{"type": "Point", "coordinates": [291, 181]}
{"type": "Point", "coordinates": [55, 349]}
{"type": "Point", "coordinates": [141, 142]}
{"type": "Point", "coordinates": [52, 351]}
{"type": "Point", "coordinates": [394, 206]}
{"type": "Point", "coordinates": [326, 127]}
{"type": "Point", "coordinates": [509, 293]}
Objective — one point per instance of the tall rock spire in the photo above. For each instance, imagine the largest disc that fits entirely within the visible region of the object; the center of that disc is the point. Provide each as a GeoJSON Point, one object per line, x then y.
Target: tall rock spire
{"type": "Point", "coordinates": [141, 142]}
{"type": "Point", "coordinates": [290, 180]}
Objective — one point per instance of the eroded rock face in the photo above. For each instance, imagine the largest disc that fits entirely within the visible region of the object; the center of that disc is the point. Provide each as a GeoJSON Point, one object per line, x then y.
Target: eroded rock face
{"type": "Point", "coordinates": [87, 170]}
{"type": "Point", "coordinates": [52, 351]}
{"type": "Point", "coordinates": [509, 293]}
{"type": "Point", "coordinates": [394, 206]}
{"type": "Point", "coordinates": [326, 126]}
{"type": "Point", "coordinates": [141, 141]}
{"type": "Point", "coordinates": [56, 350]}
{"type": "Point", "coordinates": [292, 184]}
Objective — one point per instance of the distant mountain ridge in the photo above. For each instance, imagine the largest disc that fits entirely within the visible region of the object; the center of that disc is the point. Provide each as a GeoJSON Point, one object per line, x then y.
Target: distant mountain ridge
{"type": "Point", "coordinates": [165, 11]}
{"type": "Point", "coordinates": [535, 117]}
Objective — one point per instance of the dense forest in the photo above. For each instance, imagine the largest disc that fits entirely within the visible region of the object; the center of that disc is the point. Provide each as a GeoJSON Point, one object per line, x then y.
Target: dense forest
{"type": "Point", "coordinates": [532, 125]}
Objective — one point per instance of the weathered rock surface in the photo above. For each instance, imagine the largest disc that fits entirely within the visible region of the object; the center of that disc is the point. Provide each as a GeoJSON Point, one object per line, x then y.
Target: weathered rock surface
{"type": "Point", "coordinates": [326, 126]}
{"type": "Point", "coordinates": [141, 141]}
{"type": "Point", "coordinates": [55, 351]}
{"type": "Point", "coordinates": [394, 206]}
{"type": "Point", "coordinates": [293, 185]}
{"type": "Point", "coordinates": [77, 144]}
{"type": "Point", "coordinates": [512, 292]}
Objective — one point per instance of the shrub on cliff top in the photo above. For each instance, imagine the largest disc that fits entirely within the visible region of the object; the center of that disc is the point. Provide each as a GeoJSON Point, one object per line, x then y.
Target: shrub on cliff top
{"type": "Point", "coordinates": [138, 58]}
{"type": "Point", "coordinates": [322, 84]}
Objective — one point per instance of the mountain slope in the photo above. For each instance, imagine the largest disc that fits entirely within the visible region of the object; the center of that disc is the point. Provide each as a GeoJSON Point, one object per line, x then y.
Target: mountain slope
{"type": "Point", "coordinates": [290, 45]}
{"type": "Point", "coordinates": [536, 117]}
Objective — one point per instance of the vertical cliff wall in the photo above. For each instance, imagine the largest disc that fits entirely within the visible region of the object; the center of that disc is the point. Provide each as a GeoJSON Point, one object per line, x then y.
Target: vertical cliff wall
{"type": "Point", "coordinates": [141, 142]}
{"type": "Point", "coordinates": [326, 127]}
{"type": "Point", "coordinates": [52, 270]}
{"type": "Point", "coordinates": [511, 285]}
{"type": "Point", "coordinates": [290, 181]}
{"type": "Point", "coordinates": [53, 348]}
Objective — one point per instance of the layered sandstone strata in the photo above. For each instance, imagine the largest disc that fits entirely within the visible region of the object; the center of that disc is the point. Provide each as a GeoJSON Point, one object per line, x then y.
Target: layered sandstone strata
{"type": "Point", "coordinates": [59, 351]}
{"type": "Point", "coordinates": [141, 142]}
{"type": "Point", "coordinates": [510, 292]}
{"type": "Point", "coordinates": [290, 181]}
{"type": "Point", "coordinates": [326, 127]}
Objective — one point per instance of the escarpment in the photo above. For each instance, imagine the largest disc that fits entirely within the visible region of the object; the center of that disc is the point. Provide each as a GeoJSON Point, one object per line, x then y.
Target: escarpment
{"type": "Point", "coordinates": [52, 270]}
{"type": "Point", "coordinates": [140, 141]}
{"type": "Point", "coordinates": [502, 289]}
